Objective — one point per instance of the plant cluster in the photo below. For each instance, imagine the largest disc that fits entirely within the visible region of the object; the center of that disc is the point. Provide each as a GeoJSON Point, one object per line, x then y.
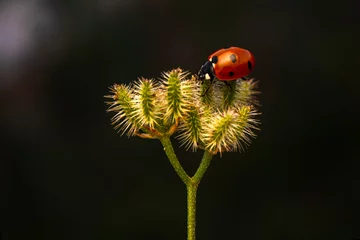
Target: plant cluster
{"type": "Point", "coordinates": [221, 120]}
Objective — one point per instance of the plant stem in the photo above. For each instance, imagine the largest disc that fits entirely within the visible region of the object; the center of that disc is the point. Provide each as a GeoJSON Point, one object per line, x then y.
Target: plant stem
{"type": "Point", "coordinates": [205, 162]}
{"type": "Point", "coordinates": [173, 160]}
{"type": "Point", "coordinates": [191, 207]}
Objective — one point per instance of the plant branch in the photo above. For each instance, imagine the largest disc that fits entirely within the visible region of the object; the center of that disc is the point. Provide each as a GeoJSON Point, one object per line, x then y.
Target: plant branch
{"type": "Point", "coordinates": [173, 160]}
{"type": "Point", "coordinates": [205, 162]}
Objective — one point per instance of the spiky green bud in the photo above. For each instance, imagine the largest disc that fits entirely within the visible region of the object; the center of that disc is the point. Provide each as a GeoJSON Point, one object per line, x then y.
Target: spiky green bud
{"type": "Point", "coordinates": [245, 92]}
{"type": "Point", "coordinates": [145, 102]}
{"type": "Point", "coordinates": [190, 128]}
{"type": "Point", "coordinates": [233, 93]}
{"type": "Point", "coordinates": [228, 94]}
{"type": "Point", "coordinates": [178, 94]}
{"type": "Point", "coordinates": [228, 129]}
{"type": "Point", "coordinates": [246, 123]}
{"type": "Point", "coordinates": [125, 118]}
{"type": "Point", "coordinates": [219, 133]}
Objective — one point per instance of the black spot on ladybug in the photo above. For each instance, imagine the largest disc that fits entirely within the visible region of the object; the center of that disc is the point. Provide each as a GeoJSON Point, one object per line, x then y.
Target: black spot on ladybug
{"type": "Point", "coordinates": [231, 74]}
{"type": "Point", "coordinates": [233, 58]}
{"type": "Point", "coordinates": [249, 65]}
{"type": "Point", "coordinates": [214, 59]}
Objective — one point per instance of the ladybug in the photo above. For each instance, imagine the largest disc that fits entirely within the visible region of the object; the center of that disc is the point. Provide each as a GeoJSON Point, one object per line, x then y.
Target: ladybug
{"type": "Point", "coordinates": [227, 64]}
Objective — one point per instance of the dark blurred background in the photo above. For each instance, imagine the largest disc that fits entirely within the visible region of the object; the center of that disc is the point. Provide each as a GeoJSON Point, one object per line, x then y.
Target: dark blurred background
{"type": "Point", "coordinates": [66, 174]}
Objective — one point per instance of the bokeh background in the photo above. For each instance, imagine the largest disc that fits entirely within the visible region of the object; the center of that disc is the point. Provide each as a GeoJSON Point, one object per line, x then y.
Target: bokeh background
{"type": "Point", "coordinates": [66, 174]}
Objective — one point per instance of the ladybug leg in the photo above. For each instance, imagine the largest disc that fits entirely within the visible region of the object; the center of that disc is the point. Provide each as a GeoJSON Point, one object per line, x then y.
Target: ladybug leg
{"type": "Point", "coordinates": [207, 89]}
{"type": "Point", "coordinates": [245, 78]}
{"type": "Point", "coordinates": [229, 85]}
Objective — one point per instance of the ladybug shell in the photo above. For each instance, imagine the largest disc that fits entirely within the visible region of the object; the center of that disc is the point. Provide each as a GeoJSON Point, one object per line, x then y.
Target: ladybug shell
{"type": "Point", "coordinates": [232, 63]}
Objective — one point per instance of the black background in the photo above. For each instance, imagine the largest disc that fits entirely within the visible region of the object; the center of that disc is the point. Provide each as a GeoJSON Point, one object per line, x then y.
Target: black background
{"type": "Point", "coordinates": [66, 174]}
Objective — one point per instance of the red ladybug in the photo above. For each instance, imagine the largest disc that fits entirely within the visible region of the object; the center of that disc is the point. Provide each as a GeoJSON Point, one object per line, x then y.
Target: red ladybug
{"type": "Point", "coordinates": [227, 64]}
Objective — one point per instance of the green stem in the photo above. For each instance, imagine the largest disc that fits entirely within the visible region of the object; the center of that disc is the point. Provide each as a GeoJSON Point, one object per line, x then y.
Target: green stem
{"type": "Point", "coordinates": [191, 207]}
{"type": "Point", "coordinates": [205, 162]}
{"type": "Point", "coordinates": [173, 160]}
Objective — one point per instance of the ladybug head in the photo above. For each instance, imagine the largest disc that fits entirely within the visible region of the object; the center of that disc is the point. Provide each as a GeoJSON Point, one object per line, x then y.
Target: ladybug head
{"type": "Point", "coordinates": [251, 62]}
{"type": "Point", "coordinates": [206, 71]}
